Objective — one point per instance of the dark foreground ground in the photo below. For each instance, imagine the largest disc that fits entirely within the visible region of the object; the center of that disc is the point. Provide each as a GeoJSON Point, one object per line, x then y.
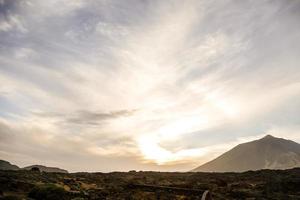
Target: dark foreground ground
{"type": "Point", "coordinates": [264, 184]}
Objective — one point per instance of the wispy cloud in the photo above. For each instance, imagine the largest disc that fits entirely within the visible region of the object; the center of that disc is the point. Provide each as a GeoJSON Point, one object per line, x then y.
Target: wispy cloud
{"type": "Point", "coordinates": [85, 117]}
{"type": "Point", "coordinates": [149, 84]}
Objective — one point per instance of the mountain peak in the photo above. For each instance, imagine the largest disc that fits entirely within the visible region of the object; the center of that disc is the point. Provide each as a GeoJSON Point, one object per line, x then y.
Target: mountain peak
{"type": "Point", "coordinates": [268, 152]}
{"type": "Point", "coordinates": [268, 137]}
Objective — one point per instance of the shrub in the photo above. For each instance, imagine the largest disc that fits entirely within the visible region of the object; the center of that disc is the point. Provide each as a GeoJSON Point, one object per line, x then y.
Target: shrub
{"type": "Point", "coordinates": [48, 192]}
{"type": "Point", "coordinates": [11, 197]}
{"type": "Point", "coordinates": [35, 169]}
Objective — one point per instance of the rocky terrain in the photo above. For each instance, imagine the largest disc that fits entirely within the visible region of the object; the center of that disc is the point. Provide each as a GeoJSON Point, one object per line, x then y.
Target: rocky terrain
{"type": "Point", "coordinates": [263, 184]}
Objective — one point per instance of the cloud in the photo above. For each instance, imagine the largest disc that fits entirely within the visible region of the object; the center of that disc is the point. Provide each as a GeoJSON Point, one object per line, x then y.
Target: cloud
{"type": "Point", "coordinates": [9, 20]}
{"type": "Point", "coordinates": [170, 83]}
{"type": "Point", "coordinates": [85, 117]}
{"type": "Point", "coordinates": [35, 143]}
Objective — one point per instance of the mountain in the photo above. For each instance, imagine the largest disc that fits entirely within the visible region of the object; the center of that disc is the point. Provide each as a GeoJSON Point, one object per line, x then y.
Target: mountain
{"type": "Point", "coordinates": [46, 169]}
{"type": "Point", "coordinates": [266, 153]}
{"type": "Point", "coordinates": [4, 165]}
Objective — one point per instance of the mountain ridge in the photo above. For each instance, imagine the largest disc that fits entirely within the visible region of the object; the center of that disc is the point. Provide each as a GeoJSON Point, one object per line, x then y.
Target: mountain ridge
{"type": "Point", "coordinates": [5, 165]}
{"type": "Point", "coordinates": [43, 168]}
{"type": "Point", "coordinates": [268, 152]}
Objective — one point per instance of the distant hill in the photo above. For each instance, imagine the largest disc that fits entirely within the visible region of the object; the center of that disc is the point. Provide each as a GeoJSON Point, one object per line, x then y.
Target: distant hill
{"type": "Point", "coordinates": [46, 169]}
{"type": "Point", "coordinates": [4, 165]}
{"type": "Point", "coordinates": [266, 153]}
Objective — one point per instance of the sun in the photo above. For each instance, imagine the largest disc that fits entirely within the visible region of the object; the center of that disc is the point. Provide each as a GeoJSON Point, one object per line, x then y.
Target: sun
{"type": "Point", "coordinates": [217, 108]}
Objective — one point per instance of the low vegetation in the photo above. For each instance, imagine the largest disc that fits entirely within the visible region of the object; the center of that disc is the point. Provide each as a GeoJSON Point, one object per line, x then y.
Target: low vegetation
{"type": "Point", "coordinates": [48, 192]}
{"type": "Point", "coordinates": [263, 184]}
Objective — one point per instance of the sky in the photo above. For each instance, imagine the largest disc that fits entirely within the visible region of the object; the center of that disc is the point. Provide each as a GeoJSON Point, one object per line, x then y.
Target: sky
{"type": "Point", "coordinates": [118, 85]}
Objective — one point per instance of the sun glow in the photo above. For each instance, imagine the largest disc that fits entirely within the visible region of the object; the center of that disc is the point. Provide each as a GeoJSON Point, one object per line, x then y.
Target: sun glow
{"type": "Point", "coordinates": [229, 108]}
{"type": "Point", "coordinates": [152, 151]}
{"type": "Point", "coordinates": [218, 107]}
{"type": "Point", "coordinates": [182, 125]}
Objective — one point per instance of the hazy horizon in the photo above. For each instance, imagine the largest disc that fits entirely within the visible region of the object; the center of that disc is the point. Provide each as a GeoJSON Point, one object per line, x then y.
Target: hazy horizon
{"type": "Point", "coordinates": [145, 85]}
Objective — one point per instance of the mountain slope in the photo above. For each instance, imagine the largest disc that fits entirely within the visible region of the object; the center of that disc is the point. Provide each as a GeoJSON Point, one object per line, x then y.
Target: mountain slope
{"type": "Point", "coordinates": [46, 169]}
{"type": "Point", "coordinates": [4, 165]}
{"type": "Point", "coordinates": [267, 153]}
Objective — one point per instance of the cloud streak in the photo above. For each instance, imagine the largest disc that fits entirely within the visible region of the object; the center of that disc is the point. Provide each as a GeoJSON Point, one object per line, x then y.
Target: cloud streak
{"type": "Point", "coordinates": [85, 117]}
{"type": "Point", "coordinates": [158, 85]}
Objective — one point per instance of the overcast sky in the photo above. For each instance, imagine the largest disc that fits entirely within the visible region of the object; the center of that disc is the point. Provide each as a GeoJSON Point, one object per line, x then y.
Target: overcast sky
{"type": "Point", "coordinates": [105, 85]}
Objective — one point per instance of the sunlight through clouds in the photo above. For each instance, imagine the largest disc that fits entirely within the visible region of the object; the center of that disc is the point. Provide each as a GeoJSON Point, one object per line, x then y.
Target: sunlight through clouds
{"type": "Point", "coordinates": [153, 84]}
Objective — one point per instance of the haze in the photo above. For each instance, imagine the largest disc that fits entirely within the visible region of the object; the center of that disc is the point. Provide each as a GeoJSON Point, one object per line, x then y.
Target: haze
{"type": "Point", "coordinates": [146, 85]}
